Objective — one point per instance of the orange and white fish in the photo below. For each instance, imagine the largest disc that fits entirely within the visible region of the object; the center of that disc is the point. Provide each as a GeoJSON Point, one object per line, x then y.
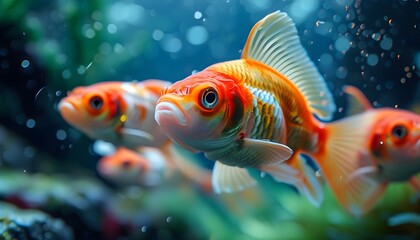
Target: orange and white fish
{"type": "Point", "coordinates": [121, 113]}
{"type": "Point", "coordinates": [254, 112]}
{"type": "Point", "coordinates": [127, 167]}
{"type": "Point", "coordinates": [380, 146]}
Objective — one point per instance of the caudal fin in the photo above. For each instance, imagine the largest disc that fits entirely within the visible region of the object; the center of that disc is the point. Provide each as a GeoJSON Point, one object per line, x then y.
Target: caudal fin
{"type": "Point", "coordinates": [346, 163]}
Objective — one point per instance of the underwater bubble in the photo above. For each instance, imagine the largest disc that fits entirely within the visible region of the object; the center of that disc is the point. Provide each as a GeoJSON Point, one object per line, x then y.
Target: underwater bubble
{"type": "Point", "coordinates": [127, 12]}
{"type": "Point", "coordinates": [198, 15]}
{"type": "Point", "coordinates": [90, 33]}
{"type": "Point", "coordinates": [144, 229]}
{"type": "Point", "coordinates": [118, 48]}
{"type": "Point", "coordinates": [112, 28]}
{"type": "Point", "coordinates": [171, 44]}
{"type": "Point", "coordinates": [197, 35]}
{"type": "Point", "coordinates": [30, 123]}
{"type": "Point", "coordinates": [318, 23]}
{"type": "Point", "coordinates": [342, 28]}
{"type": "Point", "coordinates": [29, 152]}
{"type": "Point", "coordinates": [323, 28]}
{"type": "Point", "coordinates": [157, 35]}
{"type": "Point", "coordinates": [25, 63]}
{"type": "Point", "coordinates": [300, 9]}
{"type": "Point", "coordinates": [105, 48]}
{"type": "Point", "coordinates": [341, 72]}
{"type": "Point", "coordinates": [337, 18]}
{"type": "Point", "coordinates": [58, 93]}
{"type": "Point", "coordinates": [376, 36]}
{"type": "Point", "coordinates": [325, 60]}
{"type": "Point", "coordinates": [97, 15]}
{"type": "Point", "coordinates": [386, 43]}
{"type": "Point", "coordinates": [81, 69]}
{"type": "Point", "coordinates": [342, 44]}
{"type": "Point", "coordinates": [61, 134]}
{"type": "Point", "coordinates": [372, 59]}
{"type": "Point", "coordinates": [169, 219]}
{"type": "Point", "coordinates": [97, 26]}
{"type": "Point", "coordinates": [66, 74]}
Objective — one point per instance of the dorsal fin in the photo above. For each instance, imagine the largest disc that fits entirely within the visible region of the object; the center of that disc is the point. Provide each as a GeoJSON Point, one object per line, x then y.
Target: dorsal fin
{"type": "Point", "coordinates": [357, 101]}
{"type": "Point", "coordinates": [274, 41]}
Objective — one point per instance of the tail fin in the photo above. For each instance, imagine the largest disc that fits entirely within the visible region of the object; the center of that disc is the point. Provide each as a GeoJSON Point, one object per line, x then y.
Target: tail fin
{"type": "Point", "coordinates": [298, 173]}
{"type": "Point", "coordinates": [346, 163]}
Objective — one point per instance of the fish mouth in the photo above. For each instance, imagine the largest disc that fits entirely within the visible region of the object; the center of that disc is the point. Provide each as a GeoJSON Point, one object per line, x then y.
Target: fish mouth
{"type": "Point", "coordinates": [69, 110]}
{"type": "Point", "coordinates": [169, 110]}
{"type": "Point", "coordinates": [67, 105]}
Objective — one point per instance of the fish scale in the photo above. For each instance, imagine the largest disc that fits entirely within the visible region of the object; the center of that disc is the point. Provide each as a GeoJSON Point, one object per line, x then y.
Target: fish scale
{"type": "Point", "coordinates": [262, 80]}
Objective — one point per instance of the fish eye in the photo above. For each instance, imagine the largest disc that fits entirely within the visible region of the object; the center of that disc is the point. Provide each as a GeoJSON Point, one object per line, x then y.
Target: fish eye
{"type": "Point", "coordinates": [96, 102]}
{"type": "Point", "coordinates": [209, 98]}
{"type": "Point", "coordinates": [399, 131]}
{"type": "Point", "coordinates": [126, 164]}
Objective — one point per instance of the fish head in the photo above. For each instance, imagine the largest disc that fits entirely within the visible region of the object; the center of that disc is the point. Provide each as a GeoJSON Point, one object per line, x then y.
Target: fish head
{"type": "Point", "coordinates": [93, 109]}
{"type": "Point", "coordinates": [396, 144]}
{"type": "Point", "coordinates": [202, 112]}
{"type": "Point", "coordinates": [123, 167]}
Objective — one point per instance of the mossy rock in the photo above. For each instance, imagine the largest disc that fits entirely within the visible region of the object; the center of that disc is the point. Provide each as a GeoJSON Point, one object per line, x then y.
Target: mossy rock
{"type": "Point", "coordinates": [30, 224]}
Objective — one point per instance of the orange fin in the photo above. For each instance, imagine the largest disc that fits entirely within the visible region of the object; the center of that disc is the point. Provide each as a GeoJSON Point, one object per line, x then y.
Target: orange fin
{"type": "Point", "coordinates": [346, 164]}
{"type": "Point", "coordinates": [274, 41]}
{"type": "Point", "coordinates": [310, 185]}
{"type": "Point", "coordinates": [230, 179]}
{"type": "Point", "coordinates": [299, 174]}
{"type": "Point", "coordinates": [357, 101]}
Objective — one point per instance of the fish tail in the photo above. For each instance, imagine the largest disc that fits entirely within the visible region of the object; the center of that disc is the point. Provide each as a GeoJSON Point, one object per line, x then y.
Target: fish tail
{"type": "Point", "coordinates": [344, 159]}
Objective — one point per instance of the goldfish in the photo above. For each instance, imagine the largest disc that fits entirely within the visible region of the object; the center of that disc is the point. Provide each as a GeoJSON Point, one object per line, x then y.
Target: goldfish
{"type": "Point", "coordinates": [128, 167]}
{"type": "Point", "coordinates": [381, 146]}
{"type": "Point", "coordinates": [121, 113]}
{"type": "Point", "coordinates": [254, 112]}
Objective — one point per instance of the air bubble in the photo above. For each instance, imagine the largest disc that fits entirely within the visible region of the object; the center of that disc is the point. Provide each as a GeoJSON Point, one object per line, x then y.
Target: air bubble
{"type": "Point", "coordinates": [197, 35]}
{"type": "Point", "coordinates": [342, 44]}
{"type": "Point", "coordinates": [30, 123]}
{"type": "Point", "coordinates": [61, 134]}
{"type": "Point", "coordinates": [157, 35]}
{"type": "Point", "coordinates": [386, 43]}
{"type": "Point", "coordinates": [341, 72]}
{"type": "Point", "coordinates": [372, 59]}
{"type": "Point", "coordinates": [198, 15]}
{"type": "Point", "coordinates": [25, 63]}
{"type": "Point", "coordinates": [112, 28]}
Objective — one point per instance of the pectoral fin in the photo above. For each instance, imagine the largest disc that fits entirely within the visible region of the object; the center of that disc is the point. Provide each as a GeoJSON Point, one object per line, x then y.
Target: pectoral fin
{"type": "Point", "coordinates": [229, 179]}
{"type": "Point", "coordinates": [249, 152]}
{"type": "Point", "coordinates": [267, 152]}
{"type": "Point", "coordinates": [137, 136]}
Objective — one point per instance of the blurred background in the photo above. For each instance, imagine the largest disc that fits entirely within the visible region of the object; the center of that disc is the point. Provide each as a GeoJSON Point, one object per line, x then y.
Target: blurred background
{"type": "Point", "coordinates": [49, 47]}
